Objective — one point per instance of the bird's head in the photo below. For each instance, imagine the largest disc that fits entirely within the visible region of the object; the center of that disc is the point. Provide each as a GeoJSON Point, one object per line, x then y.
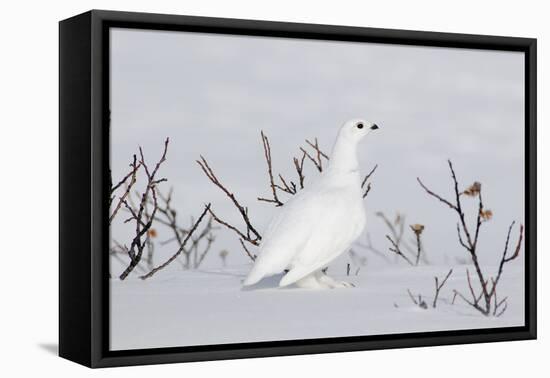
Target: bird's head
{"type": "Point", "coordinates": [344, 152]}
{"type": "Point", "coordinates": [355, 129]}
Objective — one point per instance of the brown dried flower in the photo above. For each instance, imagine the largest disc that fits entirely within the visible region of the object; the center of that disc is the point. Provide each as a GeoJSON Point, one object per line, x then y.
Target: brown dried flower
{"type": "Point", "coordinates": [152, 233]}
{"type": "Point", "coordinates": [486, 214]}
{"type": "Point", "coordinates": [473, 190]}
{"type": "Point", "coordinates": [417, 228]}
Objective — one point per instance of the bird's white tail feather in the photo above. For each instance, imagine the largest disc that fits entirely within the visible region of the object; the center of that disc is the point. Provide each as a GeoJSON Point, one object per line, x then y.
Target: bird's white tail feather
{"type": "Point", "coordinates": [254, 276]}
{"type": "Point", "coordinates": [297, 273]}
{"type": "Point", "coordinates": [263, 268]}
{"type": "Point", "coordinates": [293, 276]}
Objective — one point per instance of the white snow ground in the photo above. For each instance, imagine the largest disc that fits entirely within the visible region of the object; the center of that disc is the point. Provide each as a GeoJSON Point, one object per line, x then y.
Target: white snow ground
{"type": "Point", "coordinates": [182, 308]}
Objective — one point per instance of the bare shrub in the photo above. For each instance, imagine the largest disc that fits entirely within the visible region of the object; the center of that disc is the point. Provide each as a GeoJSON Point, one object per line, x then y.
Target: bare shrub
{"type": "Point", "coordinates": [142, 218]}
{"type": "Point", "coordinates": [485, 301]}
{"type": "Point", "coordinates": [151, 207]}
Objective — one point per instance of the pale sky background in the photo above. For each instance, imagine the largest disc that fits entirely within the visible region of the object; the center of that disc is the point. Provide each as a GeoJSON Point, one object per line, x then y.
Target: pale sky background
{"type": "Point", "coordinates": [212, 94]}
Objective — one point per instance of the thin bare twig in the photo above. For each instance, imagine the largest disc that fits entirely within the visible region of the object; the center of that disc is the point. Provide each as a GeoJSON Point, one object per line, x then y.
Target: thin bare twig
{"type": "Point", "coordinates": [251, 235]}
{"type": "Point", "coordinates": [370, 247]}
{"type": "Point", "coordinates": [274, 187]}
{"type": "Point", "coordinates": [205, 234]}
{"type": "Point", "coordinates": [132, 176]}
{"type": "Point", "coordinates": [418, 301]}
{"type": "Point", "coordinates": [446, 202]}
{"type": "Point", "coordinates": [315, 146]}
{"type": "Point", "coordinates": [250, 254]}
{"type": "Point", "coordinates": [397, 250]}
{"type": "Point", "coordinates": [505, 259]}
{"type": "Point", "coordinates": [299, 166]}
{"type": "Point", "coordinates": [438, 287]}
{"type": "Point", "coordinates": [133, 165]}
{"type": "Point", "coordinates": [368, 185]}
{"type": "Point", "coordinates": [413, 299]}
{"type": "Point", "coordinates": [417, 229]}
{"type": "Point", "coordinates": [317, 159]}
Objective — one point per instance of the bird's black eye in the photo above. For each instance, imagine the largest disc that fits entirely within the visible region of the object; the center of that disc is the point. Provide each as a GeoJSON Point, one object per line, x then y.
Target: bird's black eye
{"type": "Point", "coordinates": [359, 125]}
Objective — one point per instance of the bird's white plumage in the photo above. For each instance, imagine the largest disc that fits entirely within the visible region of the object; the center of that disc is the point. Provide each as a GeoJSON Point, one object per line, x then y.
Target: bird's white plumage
{"type": "Point", "coordinates": [321, 221]}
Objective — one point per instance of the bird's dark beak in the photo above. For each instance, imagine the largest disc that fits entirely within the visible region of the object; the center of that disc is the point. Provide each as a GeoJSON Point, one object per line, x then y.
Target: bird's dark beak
{"type": "Point", "coordinates": [374, 127]}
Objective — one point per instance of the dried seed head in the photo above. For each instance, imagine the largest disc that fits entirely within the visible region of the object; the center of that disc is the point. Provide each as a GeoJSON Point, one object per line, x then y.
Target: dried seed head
{"type": "Point", "coordinates": [473, 190]}
{"type": "Point", "coordinates": [152, 233]}
{"type": "Point", "coordinates": [417, 228]}
{"type": "Point", "coordinates": [223, 253]}
{"type": "Point", "coordinates": [486, 214]}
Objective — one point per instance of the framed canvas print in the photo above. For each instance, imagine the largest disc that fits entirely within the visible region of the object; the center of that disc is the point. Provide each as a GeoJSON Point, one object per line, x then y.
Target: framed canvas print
{"type": "Point", "coordinates": [234, 188]}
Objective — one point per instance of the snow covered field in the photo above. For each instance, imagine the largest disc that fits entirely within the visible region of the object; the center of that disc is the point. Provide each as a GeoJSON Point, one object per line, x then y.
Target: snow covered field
{"type": "Point", "coordinates": [182, 308]}
{"type": "Point", "coordinates": [213, 95]}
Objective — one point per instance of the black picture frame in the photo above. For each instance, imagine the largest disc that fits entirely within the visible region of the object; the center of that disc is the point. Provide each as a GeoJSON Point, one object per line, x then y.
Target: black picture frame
{"type": "Point", "coordinates": [83, 166]}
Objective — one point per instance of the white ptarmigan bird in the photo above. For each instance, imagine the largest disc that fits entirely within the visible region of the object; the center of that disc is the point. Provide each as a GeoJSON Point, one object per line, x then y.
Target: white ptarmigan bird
{"type": "Point", "coordinates": [320, 222]}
